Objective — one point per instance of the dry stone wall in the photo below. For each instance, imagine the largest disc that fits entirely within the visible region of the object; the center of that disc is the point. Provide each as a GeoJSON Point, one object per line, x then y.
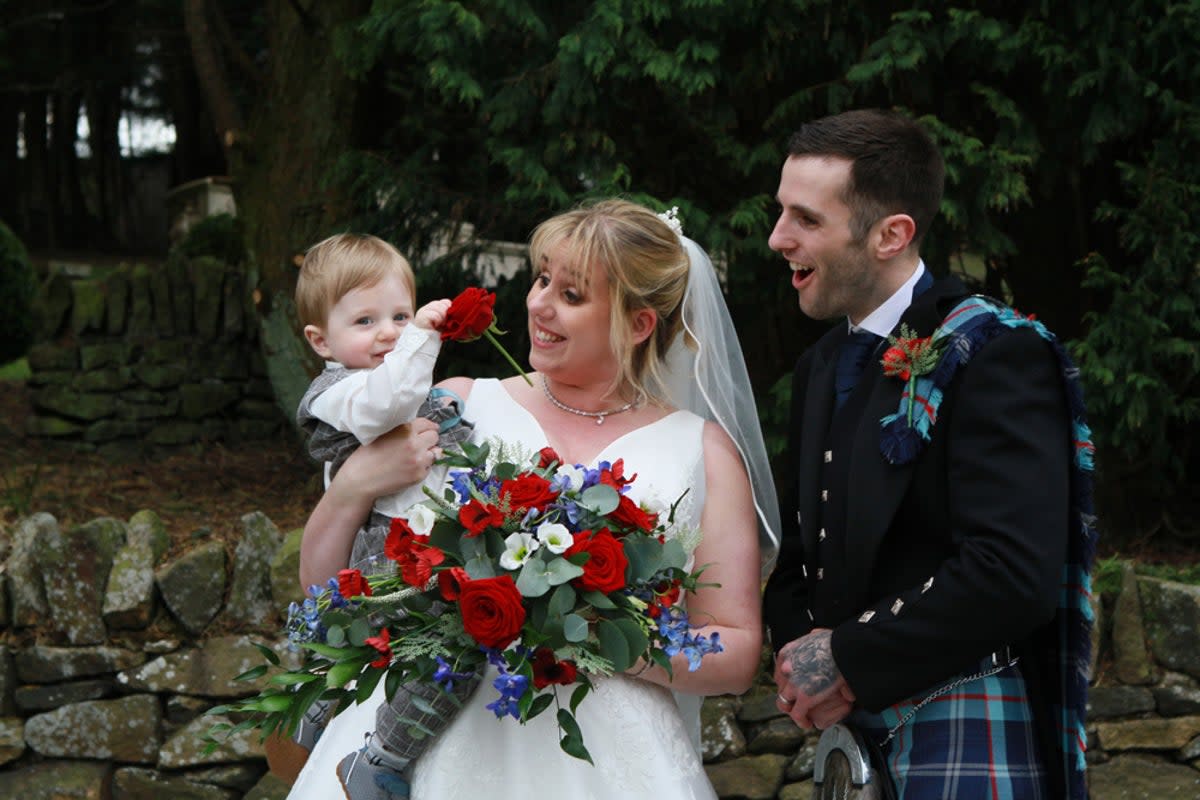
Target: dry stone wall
{"type": "Point", "coordinates": [113, 647]}
{"type": "Point", "coordinates": [165, 354]}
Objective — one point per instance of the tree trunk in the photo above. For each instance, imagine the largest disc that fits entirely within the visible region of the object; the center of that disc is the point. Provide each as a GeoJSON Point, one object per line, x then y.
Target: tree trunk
{"type": "Point", "coordinates": [304, 121]}
{"type": "Point", "coordinates": [37, 219]}
{"type": "Point", "coordinates": [10, 165]}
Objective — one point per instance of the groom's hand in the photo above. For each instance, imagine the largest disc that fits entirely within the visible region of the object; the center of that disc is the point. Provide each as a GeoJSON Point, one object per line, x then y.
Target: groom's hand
{"type": "Point", "coordinates": [811, 689]}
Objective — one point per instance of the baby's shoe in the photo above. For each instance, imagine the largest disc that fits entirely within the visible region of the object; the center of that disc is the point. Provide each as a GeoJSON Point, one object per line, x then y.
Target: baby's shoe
{"type": "Point", "coordinates": [312, 724]}
{"type": "Point", "coordinates": [366, 775]}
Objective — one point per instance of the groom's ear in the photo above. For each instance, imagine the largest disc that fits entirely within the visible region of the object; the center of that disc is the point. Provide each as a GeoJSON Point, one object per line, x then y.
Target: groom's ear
{"type": "Point", "coordinates": [318, 342]}
{"type": "Point", "coordinates": [643, 324]}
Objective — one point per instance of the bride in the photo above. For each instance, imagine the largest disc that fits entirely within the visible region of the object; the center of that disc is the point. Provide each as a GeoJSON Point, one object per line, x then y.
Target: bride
{"type": "Point", "coordinates": [635, 359]}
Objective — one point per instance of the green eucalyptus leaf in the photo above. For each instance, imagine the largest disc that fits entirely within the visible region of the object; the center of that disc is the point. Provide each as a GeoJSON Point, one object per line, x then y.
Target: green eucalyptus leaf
{"type": "Point", "coordinates": [614, 645]}
{"type": "Point", "coordinates": [360, 631]}
{"type": "Point", "coordinates": [575, 628]}
{"type": "Point", "coordinates": [559, 571]}
{"type": "Point", "coordinates": [533, 581]}
{"type": "Point", "coordinates": [601, 498]}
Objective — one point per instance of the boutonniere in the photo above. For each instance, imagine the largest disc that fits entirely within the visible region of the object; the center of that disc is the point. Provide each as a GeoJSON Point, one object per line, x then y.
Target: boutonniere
{"type": "Point", "coordinates": [909, 357]}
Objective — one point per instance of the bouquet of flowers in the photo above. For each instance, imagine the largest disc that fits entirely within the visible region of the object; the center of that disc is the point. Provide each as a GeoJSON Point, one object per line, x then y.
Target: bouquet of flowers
{"type": "Point", "coordinates": [548, 572]}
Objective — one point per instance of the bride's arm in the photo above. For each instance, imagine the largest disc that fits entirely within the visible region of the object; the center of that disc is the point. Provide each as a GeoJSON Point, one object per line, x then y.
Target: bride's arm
{"type": "Point", "coordinates": [730, 546]}
{"type": "Point", "coordinates": [391, 462]}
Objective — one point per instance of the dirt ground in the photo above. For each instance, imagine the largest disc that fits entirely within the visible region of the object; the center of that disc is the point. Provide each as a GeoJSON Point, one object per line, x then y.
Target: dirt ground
{"type": "Point", "coordinates": [200, 486]}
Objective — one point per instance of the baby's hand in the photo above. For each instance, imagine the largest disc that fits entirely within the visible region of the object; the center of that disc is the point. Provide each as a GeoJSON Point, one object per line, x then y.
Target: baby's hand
{"type": "Point", "coordinates": [431, 315]}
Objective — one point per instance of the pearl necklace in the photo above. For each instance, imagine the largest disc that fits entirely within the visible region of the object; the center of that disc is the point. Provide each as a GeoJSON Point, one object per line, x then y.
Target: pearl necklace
{"type": "Point", "coordinates": [597, 415]}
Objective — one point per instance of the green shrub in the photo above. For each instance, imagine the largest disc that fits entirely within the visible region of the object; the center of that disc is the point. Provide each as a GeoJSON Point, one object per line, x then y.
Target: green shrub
{"type": "Point", "coordinates": [220, 236]}
{"type": "Point", "coordinates": [17, 287]}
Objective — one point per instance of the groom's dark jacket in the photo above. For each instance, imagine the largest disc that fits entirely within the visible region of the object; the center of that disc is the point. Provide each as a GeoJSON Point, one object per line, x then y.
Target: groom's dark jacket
{"type": "Point", "coordinates": [923, 569]}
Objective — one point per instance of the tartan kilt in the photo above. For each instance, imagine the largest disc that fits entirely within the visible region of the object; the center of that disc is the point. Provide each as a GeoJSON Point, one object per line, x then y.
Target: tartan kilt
{"type": "Point", "coordinates": [976, 741]}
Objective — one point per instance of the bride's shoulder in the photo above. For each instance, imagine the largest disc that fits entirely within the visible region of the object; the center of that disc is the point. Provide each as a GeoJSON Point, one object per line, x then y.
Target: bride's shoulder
{"type": "Point", "coordinates": [460, 386]}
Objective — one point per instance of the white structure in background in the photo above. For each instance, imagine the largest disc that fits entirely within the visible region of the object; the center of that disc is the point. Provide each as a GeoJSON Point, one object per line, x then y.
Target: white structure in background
{"type": "Point", "coordinates": [190, 202]}
{"type": "Point", "coordinates": [495, 260]}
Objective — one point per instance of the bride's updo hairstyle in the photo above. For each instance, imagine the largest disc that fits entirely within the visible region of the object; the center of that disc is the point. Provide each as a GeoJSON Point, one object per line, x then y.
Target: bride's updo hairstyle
{"type": "Point", "coordinates": [647, 268]}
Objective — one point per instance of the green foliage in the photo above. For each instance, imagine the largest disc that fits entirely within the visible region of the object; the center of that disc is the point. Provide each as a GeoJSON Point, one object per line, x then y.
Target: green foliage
{"type": "Point", "coordinates": [1066, 127]}
{"type": "Point", "coordinates": [18, 284]}
{"type": "Point", "coordinates": [1142, 352]}
{"type": "Point", "coordinates": [220, 236]}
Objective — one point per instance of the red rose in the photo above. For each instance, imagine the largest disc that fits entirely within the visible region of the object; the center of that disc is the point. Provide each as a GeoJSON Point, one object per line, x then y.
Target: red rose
{"type": "Point", "coordinates": [547, 457]}
{"type": "Point", "coordinates": [469, 315]}
{"type": "Point", "coordinates": [528, 491]}
{"type": "Point", "coordinates": [492, 611]}
{"type": "Point", "coordinates": [415, 559]}
{"type": "Point", "coordinates": [630, 515]}
{"type": "Point", "coordinates": [547, 669]}
{"type": "Point", "coordinates": [476, 517]}
{"type": "Point", "coordinates": [351, 583]}
{"type": "Point", "coordinates": [604, 571]}
{"type": "Point", "coordinates": [380, 643]}
{"type": "Point", "coordinates": [450, 582]}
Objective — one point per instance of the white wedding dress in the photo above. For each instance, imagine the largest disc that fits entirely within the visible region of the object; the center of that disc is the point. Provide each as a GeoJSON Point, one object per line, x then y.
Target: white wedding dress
{"type": "Point", "coordinates": [643, 739]}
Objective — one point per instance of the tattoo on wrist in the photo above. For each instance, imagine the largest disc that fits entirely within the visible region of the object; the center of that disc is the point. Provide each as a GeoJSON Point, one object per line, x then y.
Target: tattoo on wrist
{"type": "Point", "coordinates": [813, 670]}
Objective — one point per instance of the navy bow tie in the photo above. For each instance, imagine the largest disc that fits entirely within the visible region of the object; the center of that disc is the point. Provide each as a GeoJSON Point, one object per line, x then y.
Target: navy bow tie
{"type": "Point", "coordinates": [853, 356]}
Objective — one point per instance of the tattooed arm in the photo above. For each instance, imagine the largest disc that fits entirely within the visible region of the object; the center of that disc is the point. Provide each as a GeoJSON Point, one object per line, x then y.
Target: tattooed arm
{"type": "Point", "coordinates": [811, 688]}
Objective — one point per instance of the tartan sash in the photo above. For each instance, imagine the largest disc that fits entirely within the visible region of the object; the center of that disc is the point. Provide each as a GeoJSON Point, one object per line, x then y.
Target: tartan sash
{"type": "Point", "coordinates": [1066, 654]}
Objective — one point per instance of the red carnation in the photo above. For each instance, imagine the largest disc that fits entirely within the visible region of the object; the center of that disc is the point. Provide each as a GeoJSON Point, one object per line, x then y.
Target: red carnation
{"type": "Point", "coordinates": [351, 583]}
{"type": "Point", "coordinates": [477, 517]}
{"type": "Point", "coordinates": [450, 582]}
{"type": "Point", "coordinates": [492, 611]}
{"type": "Point", "coordinates": [415, 559]}
{"type": "Point", "coordinates": [547, 669]}
{"type": "Point", "coordinates": [614, 476]}
{"type": "Point", "coordinates": [604, 571]}
{"type": "Point", "coordinates": [380, 643]}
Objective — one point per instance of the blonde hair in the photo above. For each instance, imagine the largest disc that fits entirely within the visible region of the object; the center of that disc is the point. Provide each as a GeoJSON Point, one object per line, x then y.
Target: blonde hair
{"type": "Point", "coordinates": [647, 268]}
{"type": "Point", "coordinates": [340, 264]}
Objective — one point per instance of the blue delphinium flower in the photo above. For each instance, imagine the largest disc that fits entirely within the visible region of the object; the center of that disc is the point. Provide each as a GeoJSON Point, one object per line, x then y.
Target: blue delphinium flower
{"type": "Point", "coordinates": [512, 688]}
{"type": "Point", "coordinates": [304, 623]}
{"type": "Point", "coordinates": [673, 628]}
{"type": "Point", "coordinates": [445, 677]}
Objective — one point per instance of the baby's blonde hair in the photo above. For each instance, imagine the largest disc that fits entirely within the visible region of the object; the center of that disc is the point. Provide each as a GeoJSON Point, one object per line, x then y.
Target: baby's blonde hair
{"type": "Point", "coordinates": [647, 268]}
{"type": "Point", "coordinates": [340, 264]}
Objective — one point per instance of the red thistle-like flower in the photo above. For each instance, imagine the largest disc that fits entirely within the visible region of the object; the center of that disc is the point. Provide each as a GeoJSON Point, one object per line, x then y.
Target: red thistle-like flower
{"type": "Point", "coordinates": [547, 669]}
{"type": "Point", "coordinates": [351, 583]}
{"type": "Point", "coordinates": [476, 517]}
{"type": "Point", "coordinates": [380, 643]}
{"type": "Point", "coordinates": [896, 363]}
{"type": "Point", "coordinates": [414, 558]}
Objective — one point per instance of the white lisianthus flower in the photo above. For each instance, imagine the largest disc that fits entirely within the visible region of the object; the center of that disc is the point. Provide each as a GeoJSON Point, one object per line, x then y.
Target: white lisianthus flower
{"type": "Point", "coordinates": [555, 537]}
{"type": "Point", "coordinates": [571, 476]}
{"type": "Point", "coordinates": [420, 519]}
{"type": "Point", "coordinates": [518, 547]}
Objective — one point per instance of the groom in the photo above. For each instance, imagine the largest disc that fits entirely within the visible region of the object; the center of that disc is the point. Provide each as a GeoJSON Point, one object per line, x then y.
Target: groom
{"type": "Point", "coordinates": [918, 586]}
